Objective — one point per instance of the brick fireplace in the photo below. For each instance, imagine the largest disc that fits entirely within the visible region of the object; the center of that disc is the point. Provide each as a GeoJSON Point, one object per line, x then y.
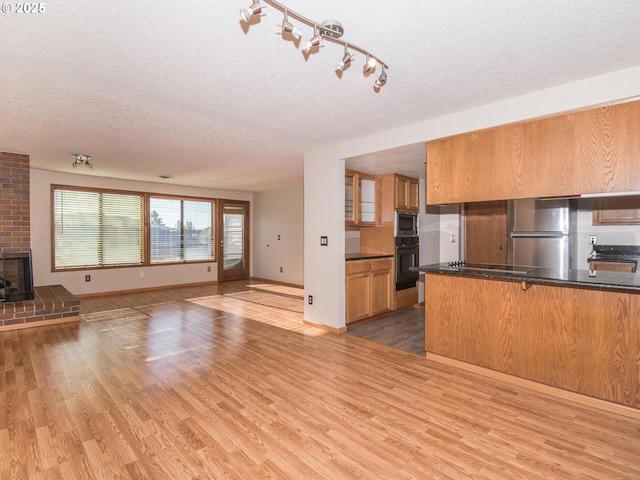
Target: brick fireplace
{"type": "Point", "coordinates": [49, 304]}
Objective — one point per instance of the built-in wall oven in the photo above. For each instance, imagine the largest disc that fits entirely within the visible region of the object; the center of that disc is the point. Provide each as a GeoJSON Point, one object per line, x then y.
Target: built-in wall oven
{"type": "Point", "coordinates": [407, 256]}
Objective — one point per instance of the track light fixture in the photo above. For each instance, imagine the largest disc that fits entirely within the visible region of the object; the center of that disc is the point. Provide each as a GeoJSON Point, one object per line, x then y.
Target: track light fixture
{"type": "Point", "coordinates": [329, 30]}
{"type": "Point", "coordinates": [79, 159]}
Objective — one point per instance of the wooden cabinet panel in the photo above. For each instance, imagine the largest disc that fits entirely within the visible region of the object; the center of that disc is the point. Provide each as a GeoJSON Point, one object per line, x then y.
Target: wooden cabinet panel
{"type": "Point", "coordinates": [590, 151]}
{"type": "Point", "coordinates": [578, 339]}
{"type": "Point", "coordinates": [616, 210]}
{"type": "Point", "coordinates": [407, 193]}
{"type": "Point", "coordinates": [485, 232]}
{"type": "Point", "coordinates": [358, 296]}
{"type": "Point", "coordinates": [369, 288]}
{"type": "Point", "coordinates": [381, 291]}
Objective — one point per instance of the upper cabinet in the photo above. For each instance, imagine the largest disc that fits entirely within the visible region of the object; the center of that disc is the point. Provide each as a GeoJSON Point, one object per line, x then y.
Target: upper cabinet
{"type": "Point", "coordinates": [407, 193]}
{"type": "Point", "coordinates": [362, 203]}
{"type": "Point", "coordinates": [588, 151]}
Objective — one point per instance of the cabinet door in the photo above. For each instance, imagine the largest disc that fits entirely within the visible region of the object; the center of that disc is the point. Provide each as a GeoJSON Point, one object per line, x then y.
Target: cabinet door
{"type": "Point", "coordinates": [485, 232]}
{"type": "Point", "coordinates": [367, 204]}
{"type": "Point", "coordinates": [381, 291]}
{"type": "Point", "coordinates": [358, 290]}
{"type": "Point", "coordinates": [413, 195]}
{"type": "Point", "coordinates": [401, 188]}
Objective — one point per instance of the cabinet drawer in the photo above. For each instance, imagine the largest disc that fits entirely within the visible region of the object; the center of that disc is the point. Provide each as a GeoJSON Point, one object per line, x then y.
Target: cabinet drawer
{"type": "Point", "coordinates": [381, 264]}
{"type": "Point", "coordinates": [357, 266]}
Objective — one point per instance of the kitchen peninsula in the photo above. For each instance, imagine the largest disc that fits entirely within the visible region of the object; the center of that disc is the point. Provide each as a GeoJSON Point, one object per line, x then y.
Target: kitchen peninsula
{"type": "Point", "coordinates": [573, 329]}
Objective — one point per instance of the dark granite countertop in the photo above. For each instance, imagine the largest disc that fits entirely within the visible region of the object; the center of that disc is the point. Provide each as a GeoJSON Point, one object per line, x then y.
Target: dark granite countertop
{"type": "Point", "coordinates": [366, 256]}
{"type": "Point", "coordinates": [600, 280]}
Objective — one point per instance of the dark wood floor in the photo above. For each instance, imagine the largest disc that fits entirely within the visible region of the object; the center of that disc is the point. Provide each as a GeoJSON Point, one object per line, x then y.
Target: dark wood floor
{"type": "Point", "coordinates": [403, 330]}
{"type": "Point", "coordinates": [153, 386]}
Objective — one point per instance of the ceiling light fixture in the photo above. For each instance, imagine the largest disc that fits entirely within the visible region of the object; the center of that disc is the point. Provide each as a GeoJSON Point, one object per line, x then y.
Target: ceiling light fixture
{"type": "Point", "coordinates": [79, 159]}
{"type": "Point", "coordinates": [329, 30]}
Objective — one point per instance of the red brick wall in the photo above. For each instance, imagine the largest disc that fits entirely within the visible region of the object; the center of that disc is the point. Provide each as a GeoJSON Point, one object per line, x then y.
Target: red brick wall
{"type": "Point", "coordinates": [15, 232]}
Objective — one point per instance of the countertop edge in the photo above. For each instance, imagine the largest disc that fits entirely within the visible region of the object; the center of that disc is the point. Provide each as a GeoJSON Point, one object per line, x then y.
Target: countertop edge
{"type": "Point", "coordinates": [366, 256]}
{"type": "Point", "coordinates": [591, 283]}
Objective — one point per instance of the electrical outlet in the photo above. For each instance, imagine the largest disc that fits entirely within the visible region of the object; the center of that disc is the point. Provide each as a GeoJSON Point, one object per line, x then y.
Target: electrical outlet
{"type": "Point", "coordinates": [281, 269]}
{"type": "Point", "coordinates": [208, 268]}
{"type": "Point", "coordinates": [87, 278]}
{"type": "Point", "coordinates": [310, 300]}
{"type": "Point", "coordinates": [592, 239]}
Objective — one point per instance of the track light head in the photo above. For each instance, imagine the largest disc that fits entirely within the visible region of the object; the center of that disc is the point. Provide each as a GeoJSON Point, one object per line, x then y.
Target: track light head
{"type": "Point", "coordinates": [345, 62]}
{"type": "Point", "coordinates": [369, 65]}
{"type": "Point", "coordinates": [382, 79]}
{"type": "Point", "coordinates": [287, 27]}
{"type": "Point", "coordinates": [79, 159]}
{"type": "Point", "coordinates": [314, 42]}
{"type": "Point", "coordinates": [247, 13]}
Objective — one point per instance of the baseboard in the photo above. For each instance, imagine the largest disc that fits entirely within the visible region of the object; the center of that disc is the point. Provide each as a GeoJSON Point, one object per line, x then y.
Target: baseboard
{"type": "Point", "coordinates": [142, 290]}
{"type": "Point", "coordinates": [325, 327]}
{"type": "Point", "coordinates": [537, 387]}
{"type": "Point", "coordinates": [285, 284]}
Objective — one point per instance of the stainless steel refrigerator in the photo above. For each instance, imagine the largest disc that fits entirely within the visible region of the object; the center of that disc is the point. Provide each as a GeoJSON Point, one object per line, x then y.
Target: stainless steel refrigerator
{"type": "Point", "coordinates": [540, 232]}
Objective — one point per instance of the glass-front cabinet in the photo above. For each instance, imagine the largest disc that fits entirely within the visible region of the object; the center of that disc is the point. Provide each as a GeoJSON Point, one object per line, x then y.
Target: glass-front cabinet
{"type": "Point", "coordinates": [360, 205]}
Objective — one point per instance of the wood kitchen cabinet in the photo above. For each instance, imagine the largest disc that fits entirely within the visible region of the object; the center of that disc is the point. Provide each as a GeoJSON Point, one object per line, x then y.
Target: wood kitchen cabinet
{"type": "Point", "coordinates": [578, 339]}
{"type": "Point", "coordinates": [485, 232]}
{"type": "Point", "coordinates": [362, 199]}
{"type": "Point", "coordinates": [588, 151]}
{"type": "Point", "coordinates": [407, 193]}
{"type": "Point", "coordinates": [369, 288]}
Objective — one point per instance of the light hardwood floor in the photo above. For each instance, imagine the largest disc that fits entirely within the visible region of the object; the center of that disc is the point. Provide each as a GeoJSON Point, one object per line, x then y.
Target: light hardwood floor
{"type": "Point", "coordinates": [153, 386]}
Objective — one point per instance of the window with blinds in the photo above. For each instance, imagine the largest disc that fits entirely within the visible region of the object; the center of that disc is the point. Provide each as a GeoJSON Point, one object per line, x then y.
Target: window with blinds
{"type": "Point", "coordinates": [97, 229]}
{"type": "Point", "coordinates": [180, 230]}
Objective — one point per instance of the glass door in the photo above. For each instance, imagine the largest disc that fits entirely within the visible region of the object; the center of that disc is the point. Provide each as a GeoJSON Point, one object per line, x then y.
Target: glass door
{"type": "Point", "coordinates": [233, 256]}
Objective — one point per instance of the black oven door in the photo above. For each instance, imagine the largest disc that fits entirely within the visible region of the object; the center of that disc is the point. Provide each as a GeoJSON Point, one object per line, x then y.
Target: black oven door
{"type": "Point", "coordinates": [407, 256]}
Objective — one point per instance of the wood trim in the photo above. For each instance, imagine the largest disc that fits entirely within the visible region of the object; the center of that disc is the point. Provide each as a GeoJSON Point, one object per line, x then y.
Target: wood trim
{"type": "Point", "coordinates": [42, 323]}
{"type": "Point", "coordinates": [142, 290]}
{"type": "Point", "coordinates": [259, 279]}
{"type": "Point", "coordinates": [538, 387]}
{"type": "Point", "coordinates": [326, 328]}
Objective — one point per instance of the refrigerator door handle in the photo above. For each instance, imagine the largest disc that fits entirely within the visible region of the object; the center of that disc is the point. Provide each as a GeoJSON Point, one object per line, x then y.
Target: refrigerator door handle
{"type": "Point", "coordinates": [536, 234]}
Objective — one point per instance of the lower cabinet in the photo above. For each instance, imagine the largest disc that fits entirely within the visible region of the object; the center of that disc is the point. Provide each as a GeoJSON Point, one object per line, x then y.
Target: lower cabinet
{"type": "Point", "coordinates": [369, 288]}
{"type": "Point", "coordinates": [578, 339]}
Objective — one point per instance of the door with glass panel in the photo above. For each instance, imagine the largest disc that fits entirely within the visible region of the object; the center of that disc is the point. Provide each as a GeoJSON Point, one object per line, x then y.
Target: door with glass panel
{"type": "Point", "coordinates": [233, 228]}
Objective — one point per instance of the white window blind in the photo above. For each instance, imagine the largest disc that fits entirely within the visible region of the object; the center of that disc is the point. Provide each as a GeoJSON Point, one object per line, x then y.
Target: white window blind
{"type": "Point", "coordinates": [94, 229]}
{"type": "Point", "coordinates": [180, 230]}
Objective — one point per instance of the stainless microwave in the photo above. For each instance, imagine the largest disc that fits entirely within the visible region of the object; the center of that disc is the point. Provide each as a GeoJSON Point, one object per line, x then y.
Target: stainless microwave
{"type": "Point", "coordinates": [406, 224]}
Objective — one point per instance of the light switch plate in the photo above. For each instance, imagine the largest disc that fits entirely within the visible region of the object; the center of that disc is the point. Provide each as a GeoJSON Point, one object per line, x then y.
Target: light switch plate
{"type": "Point", "coordinates": [324, 241]}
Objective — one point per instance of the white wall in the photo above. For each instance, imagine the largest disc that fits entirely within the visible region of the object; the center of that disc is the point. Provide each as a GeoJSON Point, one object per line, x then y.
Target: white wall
{"type": "Point", "coordinates": [324, 216]}
{"type": "Point", "coordinates": [278, 238]}
{"type": "Point", "coordinates": [324, 269]}
{"type": "Point", "coordinates": [111, 279]}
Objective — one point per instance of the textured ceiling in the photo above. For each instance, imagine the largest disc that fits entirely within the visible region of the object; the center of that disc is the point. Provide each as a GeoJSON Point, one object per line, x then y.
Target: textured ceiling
{"type": "Point", "coordinates": [184, 88]}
